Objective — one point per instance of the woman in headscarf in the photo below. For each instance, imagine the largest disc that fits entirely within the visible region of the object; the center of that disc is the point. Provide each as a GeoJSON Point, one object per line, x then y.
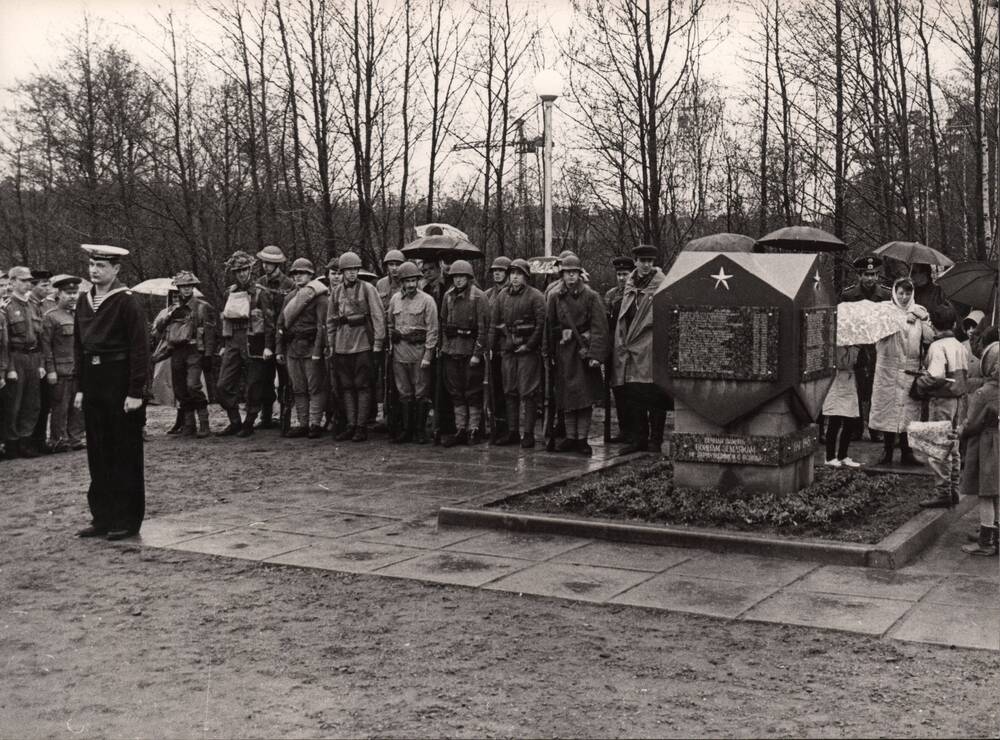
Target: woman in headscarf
{"type": "Point", "coordinates": [899, 353]}
{"type": "Point", "coordinates": [979, 477]}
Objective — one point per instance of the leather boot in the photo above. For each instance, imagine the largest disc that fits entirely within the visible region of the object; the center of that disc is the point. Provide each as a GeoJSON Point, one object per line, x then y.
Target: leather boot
{"type": "Point", "coordinates": [420, 410]}
{"type": "Point", "coordinates": [235, 424]}
{"type": "Point", "coordinates": [203, 428]}
{"type": "Point", "coordinates": [190, 429]}
{"type": "Point", "coordinates": [364, 408]}
{"type": "Point", "coordinates": [351, 413]}
{"type": "Point", "coordinates": [888, 443]}
{"type": "Point", "coordinates": [657, 425]}
{"type": "Point", "coordinates": [178, 426]}
{"type": "Point", "coordinates": [247, 430]}
{"type": "Point", "coordinates": [986, 545]}
{"type": "Point", "coordinates": [405, 433]}
{"type": "Point", "coordinates": [511, 437]}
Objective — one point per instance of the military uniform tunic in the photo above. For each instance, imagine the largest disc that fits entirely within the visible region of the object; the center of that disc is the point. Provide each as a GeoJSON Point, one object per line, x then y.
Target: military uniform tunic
{"type": "Point", "coordinates": [23, 396]}
{"type": "Point", "coordinates": [58, 352]}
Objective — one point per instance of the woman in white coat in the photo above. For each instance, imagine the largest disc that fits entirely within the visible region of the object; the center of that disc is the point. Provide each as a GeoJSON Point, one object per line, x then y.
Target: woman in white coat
{"type": "Point", "coordinates": [892, 408]}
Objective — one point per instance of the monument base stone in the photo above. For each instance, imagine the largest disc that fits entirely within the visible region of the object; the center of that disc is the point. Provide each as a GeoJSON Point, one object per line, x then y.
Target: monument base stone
{"type": "Point", "coordinates": [768, 451]}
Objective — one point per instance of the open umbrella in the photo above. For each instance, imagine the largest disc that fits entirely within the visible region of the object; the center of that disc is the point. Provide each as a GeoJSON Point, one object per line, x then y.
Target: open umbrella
{"type": "Point", "coordinates": [544, 265]}
{"type": "Point", "coordinates": [971, 283]}
{"type": "Point", "coordinates": [913, 253]}
{"type": "Point", "coordinates": [866, 322]}
{"type": "Point", "coordinates": [724, 242]}
{"type": "Point", "coordinates": [441, 246]}
{"type": "Point", "coordinates": [446, 229]}
{"type": "Point", "coordinates": [158, 286]}
{"type": "Point", "coordinates": [802, 239]}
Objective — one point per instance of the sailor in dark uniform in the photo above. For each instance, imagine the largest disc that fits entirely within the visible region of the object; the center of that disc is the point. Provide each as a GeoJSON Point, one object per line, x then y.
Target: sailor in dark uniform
{"type": "Point", "coordinates": [112, 359]}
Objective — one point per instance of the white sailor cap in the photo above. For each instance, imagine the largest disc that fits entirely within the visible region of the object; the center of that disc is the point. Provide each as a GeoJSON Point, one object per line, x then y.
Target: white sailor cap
{"type": "Point", "coordinates": [104, 252]}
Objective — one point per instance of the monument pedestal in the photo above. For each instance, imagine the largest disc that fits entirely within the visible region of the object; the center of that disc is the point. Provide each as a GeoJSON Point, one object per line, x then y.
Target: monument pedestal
{"type": "Point", "coordinates": [768, 451]}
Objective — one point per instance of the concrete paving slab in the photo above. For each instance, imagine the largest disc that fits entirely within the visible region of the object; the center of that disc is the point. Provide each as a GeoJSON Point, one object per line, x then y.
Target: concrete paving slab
{"type": "Point", "coordinates": [965, 591]}
{"type": "Point", "coordinates": [630, 557]}
{"type": "Point", "coordinates": [456, 568]}
{"type": "Point", "coordinates": [517, 545]}
{"type": "Point", "coordinates": [347, 557]}
{"type": "Point", "coordinates": [245, 543]}
{"type": "Point", "coordinates": [240, 513]}
{"type": "Point", "coordinates": [323, 523]}
{"type": "Point", "coordinates": [165, 532]}
{"type": "Point", "coordinates": [420, 534]}
{"type": "Point", "coordinates": [862, 614]}
{"type": "Point", "coordinates": [744, 568]}
{"type": "Point", "coordinates": [945, 557]}
{"type": "Point", "coordinates": [962, 626]}
{"type": "Point", "coordinates": [570, 581]}
{"type": "Point", "coordinates": [876, 582]}
{"type": "Point", "coordinates": [710, 596]}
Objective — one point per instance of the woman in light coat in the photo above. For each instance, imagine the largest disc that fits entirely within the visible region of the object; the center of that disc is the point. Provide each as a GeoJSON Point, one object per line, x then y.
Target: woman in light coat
{"type": "Point", "coordinates": [841, 409]}
{"type": "Point", "coordinates": [897, 354]}
{"type": "Point", "coordinates": [982, 454]}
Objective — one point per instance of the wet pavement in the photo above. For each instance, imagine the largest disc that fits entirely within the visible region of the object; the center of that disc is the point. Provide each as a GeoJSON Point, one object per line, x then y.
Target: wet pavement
{"type": "Point", "coordinates": [378, 516]}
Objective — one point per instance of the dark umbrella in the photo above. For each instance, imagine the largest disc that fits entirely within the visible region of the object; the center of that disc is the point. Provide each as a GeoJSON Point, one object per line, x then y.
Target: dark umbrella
{"type": "Point", "coordinates": [441, 246]}
{"type": "Point", "coordinates": [724, 242]}
{"type": "Point", "coordinates": [971, 283]}
{"type": "Point", "coordinates": [802, 239]}
{"type": "Point", "coordinates": [913, 253]}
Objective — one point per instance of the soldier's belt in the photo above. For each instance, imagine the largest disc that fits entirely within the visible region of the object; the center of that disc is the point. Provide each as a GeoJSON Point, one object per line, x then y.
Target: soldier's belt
{"type": "Point", "coordinates": [25, 348]}
{"type": "Point", "coordinates": [416, 336]}
{"type": "Point", "coordinates": [359, 319]}
{"type": "Point", "coordinates": [451, 331]}
{"type": "Point", "coordinates": [524, 330]}
{"type": "Point", "coordinates": [100, 359]}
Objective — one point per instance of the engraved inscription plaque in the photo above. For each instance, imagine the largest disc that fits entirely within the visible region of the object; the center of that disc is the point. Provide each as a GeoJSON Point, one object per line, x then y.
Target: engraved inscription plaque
{"type": "Point", "coordinates": [734, 449]}
{"type": "Point", "coordinates": [717, 342]}
{"type": "Point", "coordinates": [816, 345]}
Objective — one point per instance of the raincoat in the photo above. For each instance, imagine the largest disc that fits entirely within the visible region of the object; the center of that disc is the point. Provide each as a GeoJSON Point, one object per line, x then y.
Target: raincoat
{"type": "Point", "coordinates": [842, 398]}
{"type": "Point", "coordinates": [982, 452]}
{"type": "Point", "coordinates": [633, 356]}
{"type": "Point", "coordinates": [892, 408]}
{"type": "Point", "coordinates": [577, 384]}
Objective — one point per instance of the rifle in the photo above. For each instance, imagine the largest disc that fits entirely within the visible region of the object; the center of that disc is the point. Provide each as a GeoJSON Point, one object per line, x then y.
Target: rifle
{"type": "Point", "coordinates": [390, 396]}
{"type": "Point", "coordinates": [438, 390]}
{"type": "Point", "coordinates": [607, 400]}
{"type": "Point", "coordinates": [488, 410]}
{"type": "Point", "coordinates": [286, 402]}
{"type": "Point", "coordinates": [549, 406]}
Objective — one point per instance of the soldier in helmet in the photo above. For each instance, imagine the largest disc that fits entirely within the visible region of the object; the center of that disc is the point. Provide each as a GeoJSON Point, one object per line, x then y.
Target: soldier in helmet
{"type": "Point", "coordinates": [25, 367]}
{"type": "Point", "coordinates": [498, 271]}
{"type": "Point", "coordinates": [190, 333]}
{"type": "Point", "coordinates": [613, 301]}
{"type": "Point", "coordinates": [300, 347]}
{"type": "Point", "coordinates": [278, 285]}
{"type": "Point", "coordinates": [576, 338]}
{"type": "Point", "coordinates": [247, 346]}
{"type": "Point", "coordinates": [387, 286]}
{"type": "Point", "coordinates": [412, 322]}
{"type": "Point", "coordinates": [57, 349]}
{"type": "Point", "coordinates": [517, 322]}
{"type": "Point", "coordinates": [464, 329]}
{"type": "Point", "coordinates": [355, 327]}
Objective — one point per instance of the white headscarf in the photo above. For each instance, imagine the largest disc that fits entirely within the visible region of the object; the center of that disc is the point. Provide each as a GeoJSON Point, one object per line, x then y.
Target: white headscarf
{"type": "Point", "coordinates": [895, 300]}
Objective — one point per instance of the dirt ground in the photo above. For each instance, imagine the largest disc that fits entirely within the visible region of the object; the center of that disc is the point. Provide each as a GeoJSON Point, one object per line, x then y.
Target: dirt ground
{"type": "Point", "coordinates": [105, 640]}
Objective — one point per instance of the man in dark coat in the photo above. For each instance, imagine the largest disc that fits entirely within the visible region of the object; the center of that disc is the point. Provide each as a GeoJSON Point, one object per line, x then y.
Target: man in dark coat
{"type": "Point", "coordinates": [112, 357]}
{"type": "Point", "coordinates": [613, 301]}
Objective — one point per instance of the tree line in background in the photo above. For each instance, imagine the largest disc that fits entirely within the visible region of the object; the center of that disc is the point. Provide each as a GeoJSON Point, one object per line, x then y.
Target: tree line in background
{"type": "Point", "coordinates": [325, 125]}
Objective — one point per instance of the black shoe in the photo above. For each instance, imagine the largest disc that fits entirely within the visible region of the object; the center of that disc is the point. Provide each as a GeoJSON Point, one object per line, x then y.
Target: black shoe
{"type": "Point", "coordinates": [449, 440]}
{"type": "Point", "coordinates": [635, 447]}
{"type": "Point", "coordinates": [345, 435]}
{"type": "Point", "coordinates": [246, 430]}
{"type": "Point", "coordinates": [297, 432]}
{"type": "Point", "coordinates": [27, 450]}
{"type": "Point", "coordinates": [231, 430]}
{"type": "Point", "coordinates": [567, 445]}
{"type": "Point", "coordinates": [121, 534]}
{"type": "Point", "coordinates": [528, 441]}
{"type": "Point", "coordinates": [178, 426]}
{"type": "Point", "coordinates": [583, 447]}
{"type": "Point", "coordinates": [510, 438]}
{"type": "Point", "coordinates": [550, 444]}
{"type": "Point", "coordinates": [360, 434]}
{"type": "Point", "coordinates": [315, 431]}
{"type": "Point", "coordinates": [475, 437]}
{"type": "Point", "coordinates": [92, 531]}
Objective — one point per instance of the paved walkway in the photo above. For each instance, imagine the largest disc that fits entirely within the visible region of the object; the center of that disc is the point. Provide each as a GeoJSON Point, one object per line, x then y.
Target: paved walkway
{"type": "Point", "coordinates": [379, 518]}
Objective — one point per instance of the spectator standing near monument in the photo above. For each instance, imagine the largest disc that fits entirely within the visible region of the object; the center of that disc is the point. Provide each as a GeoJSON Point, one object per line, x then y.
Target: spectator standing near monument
{"type": "Point", "coordinates": [25, 368]}
{"type": "Point", "coordinates": [979, 476]}
{"type": "Point", "coordinates": [612, 302]}
{"type": "Point", "coordinates": [58, 330]}
{"type": "Point", "coordinates": [112, 357]}
{"type": "Point", "coordinates": [842, 410]}
{"type": "Point", "coordinates": [499, 271]}
{"type": "Point", "coordinates": [896, 355]}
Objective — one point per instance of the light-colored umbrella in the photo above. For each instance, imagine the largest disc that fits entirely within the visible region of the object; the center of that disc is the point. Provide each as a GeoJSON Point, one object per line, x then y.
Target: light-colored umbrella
{"type": "Point", "coordinates": [914, 253]}
{"type": "Point", "coordinates": [439, 246]}
{"type": "Point", "coordinates": [446, 229]}
{"type": "Point", "coordinates": [866, 322]}
{"type": "Point", "coordinates": [158, 286]}
{"type": "Point", "coordinates": [724, 242]}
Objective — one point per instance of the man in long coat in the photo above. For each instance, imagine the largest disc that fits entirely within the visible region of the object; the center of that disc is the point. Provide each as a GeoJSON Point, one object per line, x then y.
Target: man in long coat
{"type": "Point", "coordinates": [633, 354]}
{"type": "Point", "coordinates": [613, 302]}
{"type": "Point", "coordinates": [576, 339]}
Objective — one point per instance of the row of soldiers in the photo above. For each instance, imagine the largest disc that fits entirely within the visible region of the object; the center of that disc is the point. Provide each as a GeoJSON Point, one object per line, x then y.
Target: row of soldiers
{"type": "Point", "coordinates": [418, 338]}
{"type": "Point", "coordinates": [37, 368]}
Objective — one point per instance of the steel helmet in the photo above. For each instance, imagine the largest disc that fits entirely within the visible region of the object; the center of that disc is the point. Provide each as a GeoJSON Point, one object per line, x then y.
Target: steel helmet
{"type": "Point", "coordinates": [186, 277]}
{"type": "Point", "coordinates": [461, 267]}
{"type": "Point", "coordinates": [393, 255]}
{"type": "Point", "coordinates": [501, 263]}
{"type": "Point", "coordinates": [572, 262]}
{"type": "Point", "coordinates": [409, 270]}
{"type": "Point", "coordinates": [302, 265]}
{"type": "Point", "coordinates": [566, 253]}
{"type": "Point", "coordinates": [239, 260]}
{"type": "Point", "coordinates": [350, 261]}
{"type": "Point", "coordinates": [521, 266]}
{"type": "Point", "coordinates": [272, 254]}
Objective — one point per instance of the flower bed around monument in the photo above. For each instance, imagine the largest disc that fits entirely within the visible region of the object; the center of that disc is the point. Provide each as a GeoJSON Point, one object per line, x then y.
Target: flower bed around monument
{"type": "Point", "coordinates": [843, 505]}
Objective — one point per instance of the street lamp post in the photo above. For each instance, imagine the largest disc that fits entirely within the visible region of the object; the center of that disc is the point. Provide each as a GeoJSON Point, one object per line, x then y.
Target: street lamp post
{"type": "Point", "coordinates": [548, 85]}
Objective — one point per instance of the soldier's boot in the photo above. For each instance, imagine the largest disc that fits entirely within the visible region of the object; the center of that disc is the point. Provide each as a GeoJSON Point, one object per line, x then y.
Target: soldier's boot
{"type": "Point", "coordinates": [203, 428]}
{"type": "Point", "coordinates": [364, 407]}
{"type": "Point", "coordinates": [189, 425]}
{"type": "Point", "coordinates": [657, 427]}
{"type": "Point", "coordinates": [267, 417]}
{"type": "Point", "coordinates": [178, 426]}
{"type": "Point", "coordinates": [405, 433]}
{"type": "Point", "coordinates": [460, 435]}
{"type": "Point", "coordinates": [475, 420]}
{"type": "Point", "coordinates": [639, 432]}
{"type": "Point", "coordinates": [420, 411]}
{"type": "Point", "coordinates": [583, 418]}
{"type": "Point", "coordinates": [247, 430]}
{"type": "Point", "coordinates": [351, 412]}
{"type": "Point", "coordinates": [986, 546]}
{"type": "Point", "coordinates": [26, 448]}
{"type": "Point", "coordinates": [235, 424]}
{"type": "Point", "coordinates": [512, 437]}
{"type": "Point", "coordinates": [530, 414]}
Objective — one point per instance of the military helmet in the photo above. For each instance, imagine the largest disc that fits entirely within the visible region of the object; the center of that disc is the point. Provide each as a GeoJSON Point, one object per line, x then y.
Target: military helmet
{"type": "Point", "coordinates": [302, 265]}
{"type": "Point", "coordinates": [461, 267]}
{"type": "Point", "coordinates": [409, 270]}
{"type": "Point", "coordinates": [501, 263]}
{"type": "Point", "coordinates": [272, 254]}
{"type": "Point", "coordinates": [350, 261]}
{"type": "Point", "coordinates": [393, 255]}
{"type": "Point", "coordinates": [186, 277]}
{"type": "Point", "coordinates": [572, 262]}
{"type": "Point", "coordinates": [566, 253]}
{"type": "Point", "coordinates": [239, 260]}
{"type": "Point", "coordinates": [521, 266]}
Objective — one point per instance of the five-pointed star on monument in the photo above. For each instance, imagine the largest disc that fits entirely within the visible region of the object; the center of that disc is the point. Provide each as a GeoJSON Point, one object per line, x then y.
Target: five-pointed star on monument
{"type": "Point", "coordinates": [721, 278]}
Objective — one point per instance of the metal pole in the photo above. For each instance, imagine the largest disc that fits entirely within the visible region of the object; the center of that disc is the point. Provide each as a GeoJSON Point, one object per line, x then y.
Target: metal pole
{"type": "Point", "coordinates": [547, 172]}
